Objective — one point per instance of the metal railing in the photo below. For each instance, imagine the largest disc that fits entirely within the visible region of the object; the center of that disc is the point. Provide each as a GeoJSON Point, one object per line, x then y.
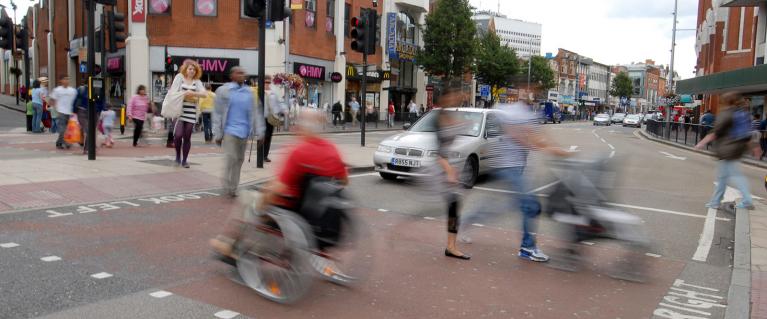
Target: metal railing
{"type": "Point", "coordinates": [690, 134]}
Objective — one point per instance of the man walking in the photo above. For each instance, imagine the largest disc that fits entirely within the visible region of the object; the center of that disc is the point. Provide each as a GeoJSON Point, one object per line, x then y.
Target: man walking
{"type": "Point", "coordinates": [236, 117]}
{"type": "Point", "coordinates": [733, 135]}
{"type": "Point", "coordinates": [337, 113]}
{"type": "Point", "coordinates": [413, 110]}
{"type": "Point", "coordinates": [273, 109]}
{"type": "Point", "coordinates": [63, 99]}
{"type": "Point", "coordinates": [355, 108]}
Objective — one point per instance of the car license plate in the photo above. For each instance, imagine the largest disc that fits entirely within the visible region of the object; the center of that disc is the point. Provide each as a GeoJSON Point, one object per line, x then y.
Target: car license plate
{"type": "Point", "coordinates": [405, 162]}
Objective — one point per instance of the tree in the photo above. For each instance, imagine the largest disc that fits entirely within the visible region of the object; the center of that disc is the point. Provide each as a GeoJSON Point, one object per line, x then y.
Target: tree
{"type": "Point", "coordinates": [542, 76]}
{"type": "Point", "coordinates": [495, 64]}
{"type": "Point", "coordinates": [449, 45]}
{"type": "Point", "coordinates": [622, 86]}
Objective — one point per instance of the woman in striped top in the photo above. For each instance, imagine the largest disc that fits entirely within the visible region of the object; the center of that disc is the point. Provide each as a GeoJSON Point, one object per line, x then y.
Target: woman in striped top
{"type": "Point", "coordinates": [188, 81]}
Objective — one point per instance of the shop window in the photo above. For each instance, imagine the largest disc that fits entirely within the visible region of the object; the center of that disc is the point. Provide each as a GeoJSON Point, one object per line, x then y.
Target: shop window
{"type": "Point", "coordinates": [206, 8]}
{"type": "Point", "coordinates": [331, 8]}
{"type": "Point", "coordinates": [159, 7]}
{"type": "Point", "coordinates": [242, 11]}
{"type": "Point", "coordinates": [310, 5]}
{"type": "Point", "coordinates": [330, 21]}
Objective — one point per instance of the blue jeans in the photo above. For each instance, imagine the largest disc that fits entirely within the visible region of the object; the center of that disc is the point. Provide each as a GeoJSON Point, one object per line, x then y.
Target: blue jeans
{"type": "Point", "coordinates": [37, 117]}
{"type": "Point", "coordinates": [730, 171]}
{"type": "Point", "coordinates": [514, 180]}
{"type": "Point", "coordinates": [207, 127]}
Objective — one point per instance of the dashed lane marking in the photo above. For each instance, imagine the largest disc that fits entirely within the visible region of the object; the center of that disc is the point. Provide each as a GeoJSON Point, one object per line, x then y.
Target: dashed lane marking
{"type": "Point", "coordinates": [383, 210]}
{"type": "Point", "coordinates": [50, 258]}
{"type": "Point", "coordinates": [652, 255]}
{"type": "Point", "coordinates": [361, 175]}
{"type": "Point", "coordinates": [588, 243]}
{"type": "Point", "coordinates": [9, 245]}
{"type": "Point", "coordinates": [160, 294]}
{"type": "Point", "coordinates": [226, 314]}
{"type": "Point", "coordinates": [478, 225]}
{"type": "Point", "coordinates": [611, 146]}
{"type": "Point", "coordinates": [603, 140]}
{"type": "Point", "coordinates": [544, 187]}
{"type": "Point", "coordinates": [612, 154]}
{"type": "Point", "coordinates": [102, 275]}
{"type": "Point", "coordinates": [429, 218]}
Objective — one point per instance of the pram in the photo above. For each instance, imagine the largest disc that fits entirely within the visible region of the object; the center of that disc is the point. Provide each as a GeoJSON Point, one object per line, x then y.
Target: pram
{"type": "Point", "coordinates": [579, 202]}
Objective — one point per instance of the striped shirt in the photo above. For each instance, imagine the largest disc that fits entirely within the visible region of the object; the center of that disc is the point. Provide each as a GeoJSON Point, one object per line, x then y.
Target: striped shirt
{"type": "Point", "coordinates": [189, 112]}
{"type": "Point", "coordinates": [506, 151]}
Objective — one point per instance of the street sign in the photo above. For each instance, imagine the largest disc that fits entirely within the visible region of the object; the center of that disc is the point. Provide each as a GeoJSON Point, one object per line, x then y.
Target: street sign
{"type": "Point", "coordinates": [484, 90]}
{"type": "Point", "coordinates": [83, 67]}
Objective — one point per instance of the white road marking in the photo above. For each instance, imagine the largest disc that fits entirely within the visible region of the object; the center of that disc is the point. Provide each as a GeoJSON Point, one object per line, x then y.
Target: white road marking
{"type": "Point", "coordinates": [102, 275]}
{"type": "Point", "coordinates": [160, 294]}
{"type": "Point", "coordinates": [652, 255]}
{"type": "Point", "coordinates": [429, 218]}
{"type": "Point", "coordinates": [383, 210]}
{"type": "Point", "coordinates": [612, 154]}
{"type": "Point", "coordinates": [706, 237]}
{"type": "Point", "coordinates": [665, 211]}
{"type": "Point", "coordinates": [9, 245]}
{"type": "Point", "coordinates": [361, 175]}
{"type": "Point", "coordinates": [478, 225]}
{"type": "Point", "coordinates": [226, 314]}
{"type": "Point", "coordinates": [611, 146]}
{"type": "Point", "coordinates": [573, 148]}
{"type": "Point", "coordinates": [672, 156]}
{"type": "Point", "coordinates": [588, 243]}
{"type": "Point", "coordinates": [603, 140]}
{"type": "Point", "coordinates": [50, 258]}
{"type": "Point", "coordinates": [544, 187]}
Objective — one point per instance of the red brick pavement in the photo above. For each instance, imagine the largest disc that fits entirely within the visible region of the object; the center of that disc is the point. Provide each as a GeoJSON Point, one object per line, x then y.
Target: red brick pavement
{"type": "Point", "coordinates": [759, 295]}
{"type": "Point", "coordinates": [45, 194]}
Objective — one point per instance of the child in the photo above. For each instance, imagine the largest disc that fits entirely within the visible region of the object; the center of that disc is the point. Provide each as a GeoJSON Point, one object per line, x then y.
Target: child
{"type": "Point", "coordinates": [108, 123]}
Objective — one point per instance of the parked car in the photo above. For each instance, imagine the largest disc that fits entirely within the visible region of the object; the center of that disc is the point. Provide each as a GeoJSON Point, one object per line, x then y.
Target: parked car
{"type": "Point", "coordinates": [633, 120]}
{"type": "Point", "coordinates": [403, 154]}
{"type": "Point", "coordinates": [602, 119]}
{"type": "Point", "coordinates": [618, 117]}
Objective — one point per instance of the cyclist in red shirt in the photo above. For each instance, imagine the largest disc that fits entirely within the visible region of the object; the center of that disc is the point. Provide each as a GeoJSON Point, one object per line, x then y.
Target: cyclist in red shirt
{"type": "Point", "coordinates": [313, 156]}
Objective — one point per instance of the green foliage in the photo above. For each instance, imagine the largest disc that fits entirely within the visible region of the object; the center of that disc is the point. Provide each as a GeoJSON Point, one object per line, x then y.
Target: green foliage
{"type": "Point", "coordinates": [496, 65]}
{"type": "Point", "coordinates": [542, 76]}
{"type": "Point", "coordinates": [449, 45]}
{"type": "Point", "coordinates": [621, 86]}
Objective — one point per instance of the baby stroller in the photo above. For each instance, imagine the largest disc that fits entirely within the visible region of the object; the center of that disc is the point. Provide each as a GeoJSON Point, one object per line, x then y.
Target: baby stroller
{"type": "Point", "coordinates": [579, 204]}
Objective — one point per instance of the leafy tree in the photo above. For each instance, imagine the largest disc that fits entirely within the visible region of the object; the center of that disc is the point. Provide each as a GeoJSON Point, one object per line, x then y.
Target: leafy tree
{"type": "Point", "coordinates": [496, 64]}
{"type": "Point", "coordinates": [541, 75]}
{"type": "Point", "coordinates": [622, 86]}
{"type": "Point", "coordinates": [449, 44]}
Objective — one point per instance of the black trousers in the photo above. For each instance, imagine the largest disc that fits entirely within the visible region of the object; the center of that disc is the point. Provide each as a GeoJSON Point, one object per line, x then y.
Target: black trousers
{"type": "Point", "coordinates": [138, 127]}
{"type": "Point", "coordinates": [268, 138]}
{"type": "Point", "coordinates": [336, 119]}
{"type": "Point", "coordinates": [29, 123]}
{"type": "Point", "coordinates": [170, 132]}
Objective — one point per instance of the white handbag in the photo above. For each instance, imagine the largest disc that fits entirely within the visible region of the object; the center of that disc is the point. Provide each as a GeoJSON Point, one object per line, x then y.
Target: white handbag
{"type": "Point", "coordinates": [172, 105]}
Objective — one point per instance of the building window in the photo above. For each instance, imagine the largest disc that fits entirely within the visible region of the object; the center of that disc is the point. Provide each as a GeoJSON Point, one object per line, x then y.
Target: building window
{"type": "Point", "coordinates": [206, 8]}
{"type": "Point", "coordinates": [347, 17]}
{"type": "Point", "coordinates": [331, 8]}
{"type": "Point", "coordinates": [159, 6]}
{"type": "Point", "coordinates": [310, 5]}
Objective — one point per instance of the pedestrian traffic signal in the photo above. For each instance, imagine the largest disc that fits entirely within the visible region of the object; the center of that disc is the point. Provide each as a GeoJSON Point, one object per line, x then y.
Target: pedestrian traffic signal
{"type": "Point", "coordinates": [254, 8]}
{"type": "Point", "coordinates": [364, 32]}
{"type": "Point", "coordinates": [278, 11]}
{"type": "Point", "coordinates": [6, 33]}
{"type": "Point", "coordinates": [22, 39]}
{"type": "Point", "coordinates": [116, 29]}
{"type": "Point", "coordinates": [168, 64]}
{"type": "Point", "coordinates": [358, 34]}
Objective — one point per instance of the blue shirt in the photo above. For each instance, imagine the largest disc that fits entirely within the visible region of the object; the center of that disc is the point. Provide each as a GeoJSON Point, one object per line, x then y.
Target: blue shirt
{"type": "Point", "coordinates": [707, 119]}
{"type": "Point", "coordinates": [37, 95]}
{"type": "Point", "coordinates": [240, 111]}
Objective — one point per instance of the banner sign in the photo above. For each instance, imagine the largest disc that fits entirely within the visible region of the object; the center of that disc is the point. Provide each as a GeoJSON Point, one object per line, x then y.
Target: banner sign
{"type": "Point", "coordinates": [309, 71]}
{"type": "Point", "coordinates": [209, 65]}
{"type": "Point", "coordinates": [296, 4]}
{"type": "Point", "coordinates": [391, 35]}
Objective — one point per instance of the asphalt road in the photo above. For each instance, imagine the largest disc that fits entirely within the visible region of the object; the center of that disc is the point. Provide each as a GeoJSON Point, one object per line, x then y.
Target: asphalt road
{"type": "Point", "coordinates": [147, 257]}
{"type": "Point", "coordinates": [12, 119]}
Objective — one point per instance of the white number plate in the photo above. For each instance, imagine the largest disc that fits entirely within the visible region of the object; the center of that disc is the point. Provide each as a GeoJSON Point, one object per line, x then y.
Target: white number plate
{"type": "Point", "coordinates": [405, 162]}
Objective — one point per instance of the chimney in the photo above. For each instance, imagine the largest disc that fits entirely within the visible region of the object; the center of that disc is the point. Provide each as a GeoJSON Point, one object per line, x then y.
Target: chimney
{"type": "Point", "coordinates": [649, 62]}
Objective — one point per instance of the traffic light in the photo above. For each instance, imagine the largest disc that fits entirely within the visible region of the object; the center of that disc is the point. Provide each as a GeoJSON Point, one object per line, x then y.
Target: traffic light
{"type": "Point", "coordinates": [116, 29]}
{"type": "Point", "coordinates": [279, 11]}
{"type": "Point", "coordinates": [364, 32]}
{"type": "Point", "coordinates": [168, 64]}
{"type": "Point", "coordinates": [254, 8]}
{"type": "Point", "coordinates": [22, 39]}
{"type": "Point", "coordinates": [6, 33]}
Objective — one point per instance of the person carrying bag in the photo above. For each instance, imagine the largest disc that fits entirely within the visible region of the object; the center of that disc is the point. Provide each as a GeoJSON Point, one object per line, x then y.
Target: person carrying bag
{"type": "Point", "coordinates": [72, 133]}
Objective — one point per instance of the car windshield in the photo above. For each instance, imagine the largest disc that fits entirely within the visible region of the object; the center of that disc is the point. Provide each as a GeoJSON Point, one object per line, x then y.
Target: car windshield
{"type": "Point", "coordinates": [633, 117]}
{"type": "Point", "coordinates": [472, 121]}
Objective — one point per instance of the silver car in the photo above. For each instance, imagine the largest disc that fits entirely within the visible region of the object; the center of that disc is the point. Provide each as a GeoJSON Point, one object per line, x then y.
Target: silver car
{"type": "Point", "coordinates": [403, 154]}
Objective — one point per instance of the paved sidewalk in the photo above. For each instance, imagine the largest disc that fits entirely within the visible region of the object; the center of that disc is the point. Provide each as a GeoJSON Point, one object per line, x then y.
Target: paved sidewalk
{"type": "Point", "coordinates": [758, 232]}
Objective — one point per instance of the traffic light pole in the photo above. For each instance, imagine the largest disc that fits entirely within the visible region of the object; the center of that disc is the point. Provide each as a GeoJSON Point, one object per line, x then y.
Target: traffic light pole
{"type": "Point", "coordinates": [104, 55]}
{"type": "Point", "coordinates": [91, 134]}
{"type": "Point", "coordinates": [363, 98]}
{"type": "Point", "coordinates": [261, 82]}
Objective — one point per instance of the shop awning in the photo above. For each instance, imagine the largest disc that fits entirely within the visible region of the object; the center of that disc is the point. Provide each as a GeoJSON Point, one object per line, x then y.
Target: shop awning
{"type": "Point", "coordinates": [742, 3]}
{"type": "Point", "coordinates": [748, 81]}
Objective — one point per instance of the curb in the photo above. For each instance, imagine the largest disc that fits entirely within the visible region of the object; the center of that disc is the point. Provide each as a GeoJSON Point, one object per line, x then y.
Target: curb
{"type": "Point", "coordinates": [13, 108]}
{"type": "Point", "coordinates": [342, 132]}
{"type": "Point", "coordinates": [746, 161]}
{"type": "Point", "coordinates": [739, 293]}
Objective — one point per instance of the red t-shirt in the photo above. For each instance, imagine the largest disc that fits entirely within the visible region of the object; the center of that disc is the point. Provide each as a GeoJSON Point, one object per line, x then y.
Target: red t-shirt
{"type": "Point", "coordinates": [391, 108]}
{"type": "Point", "coordinates": [314, 156]}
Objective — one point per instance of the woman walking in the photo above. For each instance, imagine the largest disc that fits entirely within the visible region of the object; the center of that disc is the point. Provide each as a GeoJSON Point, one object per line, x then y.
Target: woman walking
{"type": "Point", "coordinates": [138, 107]}
{"type": "Point", "coordinates": [187, 81]}
{"type": "Point", "coordinates": [38, 96]}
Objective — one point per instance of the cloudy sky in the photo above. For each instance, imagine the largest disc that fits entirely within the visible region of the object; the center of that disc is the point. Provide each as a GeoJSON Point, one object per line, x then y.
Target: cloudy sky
{"type": "Point", "coordinates": [610, 31]}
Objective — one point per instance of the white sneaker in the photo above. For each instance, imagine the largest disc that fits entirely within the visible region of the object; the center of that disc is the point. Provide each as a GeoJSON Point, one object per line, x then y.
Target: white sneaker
{"type": "Point", "coordinates": [533, 254]}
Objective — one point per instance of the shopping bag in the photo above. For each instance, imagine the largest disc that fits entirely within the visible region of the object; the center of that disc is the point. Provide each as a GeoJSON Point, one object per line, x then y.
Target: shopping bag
{"type": "Point", "coordinates": [100, 127]}
{"type": "Point", "coordinates": [157, 123]}
{"type": "Point", "coordinates": [172, 105]}
{"type": "Point", "coordinates": [72, 134]}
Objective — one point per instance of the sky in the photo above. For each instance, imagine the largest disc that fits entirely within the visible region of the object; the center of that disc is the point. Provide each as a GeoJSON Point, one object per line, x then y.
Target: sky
{"type": "Point", "coordinates": [610, 31]}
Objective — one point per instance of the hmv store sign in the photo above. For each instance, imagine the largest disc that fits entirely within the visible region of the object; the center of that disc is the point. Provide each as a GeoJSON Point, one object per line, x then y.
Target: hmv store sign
{"type": "Point", "coordinates": [309, 71]}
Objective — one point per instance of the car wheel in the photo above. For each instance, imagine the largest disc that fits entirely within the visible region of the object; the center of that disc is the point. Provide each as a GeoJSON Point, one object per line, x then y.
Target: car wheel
{"type": "Point", "coordinates": [388, 176]}
{"type": "Point", "coordinates": [470, 172]}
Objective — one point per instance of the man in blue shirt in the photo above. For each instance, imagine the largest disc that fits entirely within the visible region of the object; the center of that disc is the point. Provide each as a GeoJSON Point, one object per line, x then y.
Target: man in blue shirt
{"type": "Point", "coordinates": [236, 117]}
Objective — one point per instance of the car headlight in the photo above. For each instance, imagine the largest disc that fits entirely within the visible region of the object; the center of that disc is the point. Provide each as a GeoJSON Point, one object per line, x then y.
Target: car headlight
{"type": "Point", "coordinates": [385, 148]}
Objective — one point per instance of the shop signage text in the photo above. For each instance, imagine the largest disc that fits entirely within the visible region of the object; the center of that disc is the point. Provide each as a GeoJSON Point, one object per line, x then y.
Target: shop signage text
{"type": "Point", "coordinates": [309, 71]}
{"type": "Point", "coordinates": [336, 77]}
{"type": "Point", "coordinates": [212, 65]}
{"type": "Point", "coordinates": [296, 4]}
{"type": "Point", "coordinates": [391, 36]}
{"type": "Point", "coordinates": [406, 51]}
{"type": "Point", "coordinates": [373, 76]}
{"type": "Point", "coordinates": [115, 64]}
{"type": "Point", "coordinates": [138, 10]}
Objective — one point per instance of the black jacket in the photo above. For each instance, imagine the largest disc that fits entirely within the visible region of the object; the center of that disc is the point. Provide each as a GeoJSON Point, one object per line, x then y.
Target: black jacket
{"type": "Point", "coordinates": [336, 108]}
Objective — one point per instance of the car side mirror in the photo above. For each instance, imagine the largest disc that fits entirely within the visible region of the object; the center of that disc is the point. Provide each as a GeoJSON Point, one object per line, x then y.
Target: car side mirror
{"type": "Point", "coordinates": [406, 126]}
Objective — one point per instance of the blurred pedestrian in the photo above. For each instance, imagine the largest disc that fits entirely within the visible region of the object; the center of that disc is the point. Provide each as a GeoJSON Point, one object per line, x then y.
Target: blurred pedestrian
{"type": "Point", "coordinates": [274, 110]}
{"type": "Point", "coordinates": [412, 109]}
{"type": "Point", "coordinates": [63, 100]}
{"type": "Point", "coordinates": [391, 113]}
{"type": "Point", "coordinates": [354, 106]}
{"type": "Point", "coordinates": [107, 124]}
{"type": "Point", "coordinates": [188, 81]}
{"type": "Point", "coordinates": [236, 117]}
{"type": "Point", "coordinates": [30, 114]}
{"type": "Point", "coordinates": [39, 92]}
{"type": "Point", "coordinates": [337, 108]}
{"type": "Point", "coordinates": [138, 106]}
{"type": "Point", "coordinates": [206, 108]}
{"type": "Point", "coordinates": [756, 122]}
{"type": "Point", "coordinates": [706, 123]}
{"type": "Point", "coordinates": [733, 135]}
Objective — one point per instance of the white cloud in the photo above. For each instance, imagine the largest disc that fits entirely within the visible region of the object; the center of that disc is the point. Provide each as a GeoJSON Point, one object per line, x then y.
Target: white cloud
{"type": "Point", "coordinates": [610, 31]}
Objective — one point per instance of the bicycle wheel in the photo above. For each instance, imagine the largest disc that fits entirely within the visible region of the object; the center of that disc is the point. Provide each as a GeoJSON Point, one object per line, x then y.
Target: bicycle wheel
{"type": "Point", "coordinates": [275, 254]}
{"type": "Point", "coordinates": [349, 258]}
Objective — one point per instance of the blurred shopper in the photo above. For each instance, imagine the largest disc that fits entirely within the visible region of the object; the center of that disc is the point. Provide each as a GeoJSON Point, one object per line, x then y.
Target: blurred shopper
{"type": "Point", "coordinates": [236, 117]}
{"type": "Point", "coordinates": [354, 106]}
{"type": "Point", "coordinates": [30, 115]}
{"type": "Point", "coordinates": [63, 100]}
{"type": "Point", "coordinates": [138, 106]}
{"type": "Point", "coordinates": [733, 135]}
{"type": "Point", "coordinates": [39, 93]}
{"type": "Point", "coordinates": [274, 110]}
{"type": "Point", "coordinates": [337, 108]}
{"type": "Point", "coordinates": [706, 122]}
{"type": "Point", "coordinates": [756, 122]}
{"type": "Point", "coordinates": [413, 111]}
{"type": "Point", "coordinates": [206, 108]}
{"type": "Point", "coordinates": [108, 117]}
{"type": "Point", "coordinates": [391, 112]}
{"type": "Point", "coordinates": [188, 81]}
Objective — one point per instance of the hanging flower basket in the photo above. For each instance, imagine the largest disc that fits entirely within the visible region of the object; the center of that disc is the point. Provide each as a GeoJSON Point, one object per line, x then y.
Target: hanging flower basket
{"type": "Point", "coordinates": [15, 71]}
{"type": "Point", "coordinates": [291, 81]}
